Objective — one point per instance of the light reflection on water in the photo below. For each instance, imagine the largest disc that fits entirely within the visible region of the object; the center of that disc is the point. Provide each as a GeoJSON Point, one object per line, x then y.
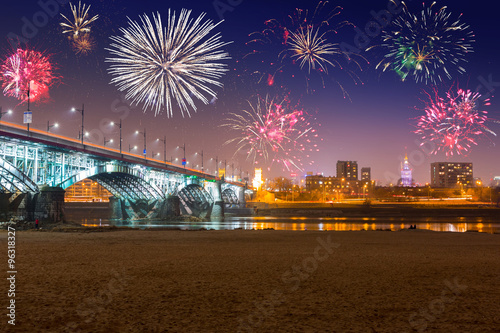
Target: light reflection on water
{"type": "Point", "coordinates": [459, 224]}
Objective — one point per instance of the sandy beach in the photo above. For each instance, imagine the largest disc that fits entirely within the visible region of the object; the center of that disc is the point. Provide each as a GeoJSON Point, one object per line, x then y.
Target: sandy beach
{"type": "Point", "coordinates": [255, 281]}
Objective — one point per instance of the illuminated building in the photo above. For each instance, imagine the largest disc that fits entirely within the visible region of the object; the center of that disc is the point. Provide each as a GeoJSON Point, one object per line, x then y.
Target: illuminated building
{"type": "Point", "coordinates": [366, 174]}
{"type": "Point", "coordinates": [257, 180]}
{"type": "Point", "coordinates": [86, 190]}
{"type": "Point", "coordinates": [347, 170]}
{"type": "Point", "coordinates": [406, 179]}
{"type": "Point", "coordinates": [450, 175]}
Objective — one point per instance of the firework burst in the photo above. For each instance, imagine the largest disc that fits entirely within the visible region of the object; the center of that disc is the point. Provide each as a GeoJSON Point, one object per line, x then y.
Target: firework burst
{"type": "Point", "coordinates": [156, 64]}
{"type": "Point", "coordinates": [27, 72]}
{"type": "Point", "coordinates": [83, 45]}
{"type": "Point", "coordinates": [80, 24]}
{"type": "Point", "coordinates": [301, 46]}
{"type": "Point", "coordinates": [272, 132]}
{"type": "Point", "coordinates": [453, 124]}
{"type": "Point", "coordinates": [428, 47]}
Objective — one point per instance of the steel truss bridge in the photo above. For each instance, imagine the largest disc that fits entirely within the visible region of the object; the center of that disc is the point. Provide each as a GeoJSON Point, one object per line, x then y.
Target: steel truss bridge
{"type": "Point", "coordinates": [32, 159]}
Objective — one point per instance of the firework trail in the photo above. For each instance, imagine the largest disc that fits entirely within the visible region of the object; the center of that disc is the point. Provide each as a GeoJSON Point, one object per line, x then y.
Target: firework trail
{"type": "Point", "coordinates": [301, 41]}
{"type": "Point", "coordinates": [80, 25]}
{"type": "Point", "coordinates": [27, 71]}
{"type": "Point", "coordinates": [156, 64]}
{"type": "Point", "coordinates": [455, 123]}
{"type": "Point", "coordinates": [429, 47]}
{"type": "Point", "coordinates": [272, 132]}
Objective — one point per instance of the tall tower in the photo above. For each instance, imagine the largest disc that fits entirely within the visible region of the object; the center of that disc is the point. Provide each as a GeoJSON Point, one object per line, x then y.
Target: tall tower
{"type": "Point", "coordinates": [406, 173]}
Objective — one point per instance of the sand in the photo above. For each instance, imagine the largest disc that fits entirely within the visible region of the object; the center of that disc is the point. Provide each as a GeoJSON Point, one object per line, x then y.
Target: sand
{"type": "Point", "coordinates": [255, 281]}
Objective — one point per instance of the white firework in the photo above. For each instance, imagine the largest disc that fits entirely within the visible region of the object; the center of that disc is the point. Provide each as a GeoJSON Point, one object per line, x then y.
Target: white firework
{"type": "Point", "coordinates": [311, 48]}
{"type": "Point", "coordinates": [156, 64]}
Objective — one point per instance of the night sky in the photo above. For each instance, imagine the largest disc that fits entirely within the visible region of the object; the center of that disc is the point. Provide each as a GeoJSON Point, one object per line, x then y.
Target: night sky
{"type": "Point", "coordinates": [372, 126]}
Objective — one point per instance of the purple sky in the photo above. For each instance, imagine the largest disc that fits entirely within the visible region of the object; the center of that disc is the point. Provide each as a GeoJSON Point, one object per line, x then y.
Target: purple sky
{"type": "Point", "coordinates": [373, 127]}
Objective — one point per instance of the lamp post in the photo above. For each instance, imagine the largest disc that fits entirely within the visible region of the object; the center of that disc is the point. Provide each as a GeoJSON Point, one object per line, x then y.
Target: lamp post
{"type": "Point", "coordinates": [106, 141]}
{"type": "Point", "coordinates": [4, 112]}
{"type": "Point", "coordinates": [49, 126]}
{"type": "Point", "coordinates": [131, 148]}
{"type": "Point", "coordinates": [164, 148]}
{"type": "Point", "coordinates": [120, 126]}
{"type": "Point", "coordinates": [202, 169]}
{"type": "Point", "coordinates": [82, 111]}
{"type": "Point", "coordinates": [139, 132]}
{"type": "Point", "coordinates": [184, 158]}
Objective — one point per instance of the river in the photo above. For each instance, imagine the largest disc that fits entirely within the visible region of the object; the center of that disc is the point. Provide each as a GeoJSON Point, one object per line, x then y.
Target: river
{"type": "Point", "coordinates": [459, 224]}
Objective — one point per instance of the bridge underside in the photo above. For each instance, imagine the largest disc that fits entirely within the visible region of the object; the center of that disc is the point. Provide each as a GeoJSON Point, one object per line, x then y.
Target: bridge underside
{"type": "Point", "coordinates": [144, 188]}
{"type": "Point", "coordinates": [194, 200]}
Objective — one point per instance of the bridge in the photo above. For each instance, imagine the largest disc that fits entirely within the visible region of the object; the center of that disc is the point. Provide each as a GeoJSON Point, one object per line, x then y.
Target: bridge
{"type": "Point", "coordinates": [36, 167]}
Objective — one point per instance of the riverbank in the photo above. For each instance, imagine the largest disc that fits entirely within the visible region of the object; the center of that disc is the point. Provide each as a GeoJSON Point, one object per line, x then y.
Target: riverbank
{"type": "Point", "coordinates": [256, 281]}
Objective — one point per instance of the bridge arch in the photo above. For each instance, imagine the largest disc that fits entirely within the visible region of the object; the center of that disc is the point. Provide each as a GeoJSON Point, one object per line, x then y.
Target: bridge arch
{"type": "Point", "coordinates": [229, 197]}
{"type": "Point", "coordinates": [13, 179]}
{"type": "Point", "coordinates": [195, 200]}
{"type": "Point", "coordinates": [121, 181]}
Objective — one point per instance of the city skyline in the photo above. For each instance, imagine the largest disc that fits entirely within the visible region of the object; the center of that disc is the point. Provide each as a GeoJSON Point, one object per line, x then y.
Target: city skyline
{"type": "Point", "coordinates": [371, 125]}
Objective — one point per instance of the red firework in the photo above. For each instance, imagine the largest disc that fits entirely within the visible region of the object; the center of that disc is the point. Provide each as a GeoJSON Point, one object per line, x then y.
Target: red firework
{"type": "Point", "coordinates": [274, 132]}
{"type": "Point", "coordinates": [453, 124]}
{"type": "Point", "coordinates": [27, 72]}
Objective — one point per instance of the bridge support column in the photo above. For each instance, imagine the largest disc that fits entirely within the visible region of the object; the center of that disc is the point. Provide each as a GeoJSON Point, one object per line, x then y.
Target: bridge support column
{"type": "Point", "coordinates": [48, 205]}
{"type": "Point", "coordinates": [218, 208]}
{"type": "Point", "coordinates": [172, 206]}
{"type": "Point", "coordinates": [115, 205]}
{"type": "Point", "coordinates": [241, 197]}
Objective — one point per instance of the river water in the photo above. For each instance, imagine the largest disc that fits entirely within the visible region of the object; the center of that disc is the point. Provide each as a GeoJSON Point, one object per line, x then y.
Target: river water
{"type": "Point", "coordinates": [459, 224]}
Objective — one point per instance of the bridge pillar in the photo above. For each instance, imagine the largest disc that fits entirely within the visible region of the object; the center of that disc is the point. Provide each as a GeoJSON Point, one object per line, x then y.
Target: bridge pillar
{"type": "Point", "coordinates": [115, 205]}
{"type": "Point", "coordinates": [241, 197]}
{"type": "Point", "coordinates": [173, 206]}
{"type": "Point", "coordinates": [48, 205]}
{"type": "Point", "coordinates": [218, 208]}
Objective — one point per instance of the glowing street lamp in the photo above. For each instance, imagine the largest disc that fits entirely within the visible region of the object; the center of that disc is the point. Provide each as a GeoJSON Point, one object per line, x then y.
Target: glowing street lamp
{"type": "Point", "coordinates": [4, 112]}
{"type": "Point", "coordinates": [106, 141]}
{"type": "Point", "coordinates": [201, 159]}
{"type": "Point", "coordinates": [164, 148]}
{"type": "Point", "coordinates": [49, 126]}
{"type": "Point", "coordinates": [139, 132]}
{"type": "Point", "coordinates": [120, 126]}
{"type": "Point", "coordinates": [82, 111]}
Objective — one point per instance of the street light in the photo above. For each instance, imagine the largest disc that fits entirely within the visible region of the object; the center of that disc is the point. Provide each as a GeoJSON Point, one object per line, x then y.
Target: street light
{"type": "Point", "coordinates": [131, 148]}
{"type": "Point", "coordinates": [120, 126]}
{"type": "Point", "coordinates": [49, 126]}
{"type": "Point", "coordinates": [184, 162]}
{"type": "Point", "coordinates": [153, 154]}
{"type": "Point", "coordinates": [201, 159]}
{"type": "Point", "coordinates": [139, 132]}
{"type": "Point", "coordinates": [4, 112]}
{"type": "Point", "coordinates": [164, 148]}
{"type": "Point", "coordinates": [106, 141]}
{"type": "Point", "coordinates": [82, 111]}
